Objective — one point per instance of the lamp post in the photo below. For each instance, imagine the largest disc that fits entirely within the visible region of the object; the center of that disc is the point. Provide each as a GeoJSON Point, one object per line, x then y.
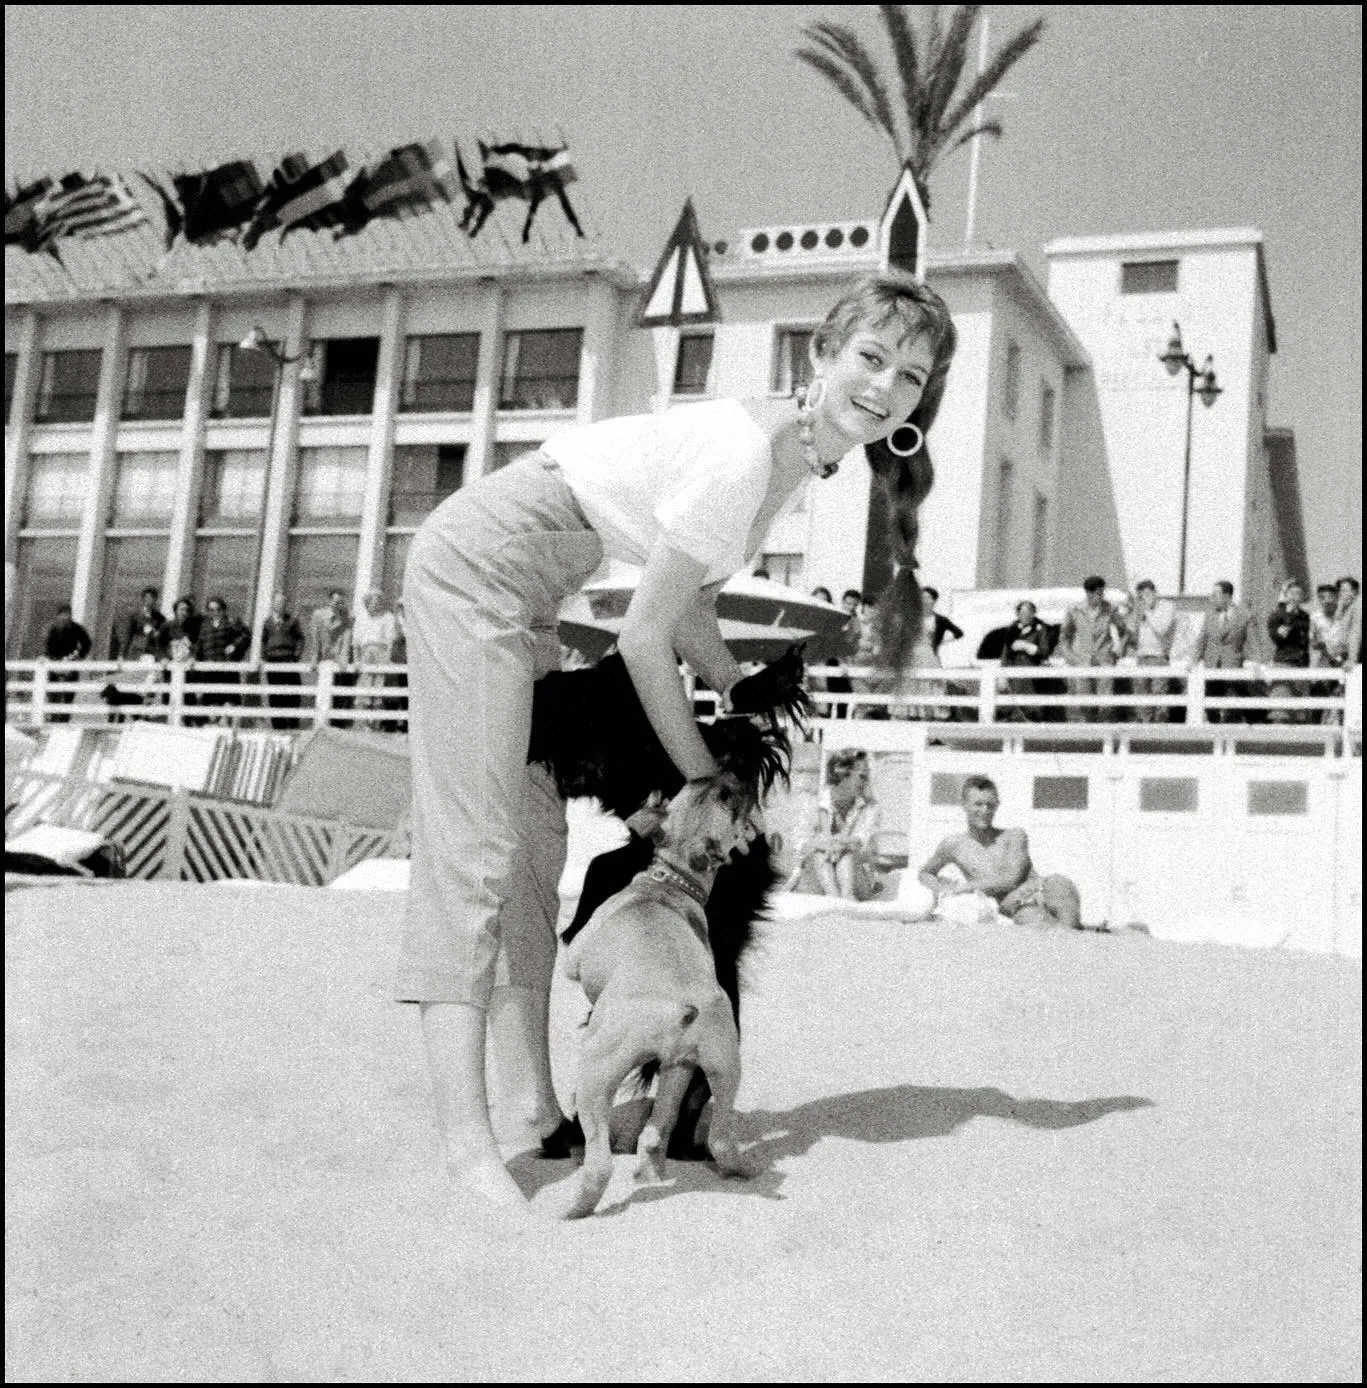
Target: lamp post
{"type": "Point", "coordinates": [257, 341]}
{"type": "Point", "coordinates": [1200, 381]}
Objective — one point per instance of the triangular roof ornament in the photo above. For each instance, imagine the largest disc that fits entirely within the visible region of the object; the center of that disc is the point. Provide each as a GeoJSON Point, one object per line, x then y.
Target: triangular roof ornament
{"type": "Point", "coordinates": [902, 231]}
{"type": "Point", "coordinates": [681, 289]}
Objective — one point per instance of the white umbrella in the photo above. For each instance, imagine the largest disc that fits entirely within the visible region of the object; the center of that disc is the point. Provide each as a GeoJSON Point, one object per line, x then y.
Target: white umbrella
{"type": "Point", "coordinates": [594, 635]}
{"type": "Point", "coordinates": [744, 598]}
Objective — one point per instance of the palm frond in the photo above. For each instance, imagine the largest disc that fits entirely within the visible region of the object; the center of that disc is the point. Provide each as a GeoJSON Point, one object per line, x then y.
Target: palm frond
{"type": "Point", "coordinates": [903, 39]}
{"type": "Point", "coordinates": [846, 48]}
{"type": "Point", "coordinates": [846, 85]}
{"type": "Point", "coordinates": [1011, 52]}
{"type": "Point", "coordinates": [988, 127]}
{"type": "Point", "coordinates": [949, 67]}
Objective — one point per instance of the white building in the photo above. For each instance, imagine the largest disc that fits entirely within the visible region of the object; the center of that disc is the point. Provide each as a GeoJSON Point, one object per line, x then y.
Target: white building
{"type": "Point", "coordinates": [144, 446]}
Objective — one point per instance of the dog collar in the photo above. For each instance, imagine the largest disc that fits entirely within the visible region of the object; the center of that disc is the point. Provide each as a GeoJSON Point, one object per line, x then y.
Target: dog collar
{"type": "Point", "coordinates": [668, 876]}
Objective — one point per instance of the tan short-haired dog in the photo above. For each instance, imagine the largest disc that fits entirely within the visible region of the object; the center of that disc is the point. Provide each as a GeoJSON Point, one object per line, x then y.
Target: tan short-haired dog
{"type": "Point", "coordinates": [644, 961]}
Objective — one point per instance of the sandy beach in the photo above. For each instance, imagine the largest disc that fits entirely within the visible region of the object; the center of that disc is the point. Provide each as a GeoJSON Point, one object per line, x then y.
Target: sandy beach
{"type": "Point", "coordinates": [987, 1155]}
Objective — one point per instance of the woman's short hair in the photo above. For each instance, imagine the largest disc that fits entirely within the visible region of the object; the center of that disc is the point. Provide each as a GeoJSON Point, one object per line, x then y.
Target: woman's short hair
{"type": "Point", "coordinates": [843, 764]}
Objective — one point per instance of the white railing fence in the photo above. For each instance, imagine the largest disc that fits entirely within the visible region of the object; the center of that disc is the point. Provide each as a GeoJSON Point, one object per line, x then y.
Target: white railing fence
{"type": "Point", "coordinates": [293, 697]}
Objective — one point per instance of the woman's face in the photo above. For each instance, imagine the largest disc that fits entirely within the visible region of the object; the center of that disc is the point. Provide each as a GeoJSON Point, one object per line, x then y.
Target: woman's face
{"type": "Point", "coordinates": [874, 381]}
{"type": "Point", "coordinates": [852, 785]}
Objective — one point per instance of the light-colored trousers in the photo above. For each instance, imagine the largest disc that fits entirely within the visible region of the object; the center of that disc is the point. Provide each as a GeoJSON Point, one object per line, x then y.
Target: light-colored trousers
{"type": "Point", "coordinates": [486, 574]}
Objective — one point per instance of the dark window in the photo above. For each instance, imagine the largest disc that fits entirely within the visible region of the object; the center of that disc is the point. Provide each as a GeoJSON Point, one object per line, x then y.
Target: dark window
{"type": "Point", "coordinates": [424, 476]}
{"type": "Point", "coordinates": [1149, 277]}
{"type": "Point", "coordinates": [1011, 392]}
{"type": "Point", "coordinates": [792, 362]}
{"type": "Point", "coordinates": [1170, 794]}
{"type": "Point", "coordinates": [234, 489]}
{"type": "Point", "coordinates": [314, 566]}
{"type": "Point", "coordinates": [244, 383]}
{"type": "Point", "coordinates": [11, 370]}
{"type": "Point", "coordinates": [782, 567]}
{"type": "Point", "coordinates": [1060, 793]}
{"type": "Point", "coordinates": [131, 563]}
{"type": "Point", "coordinates": [1278, 797]}
{"type": "Point", "coordinates": [225, 565]}
{"type": "Point", "coordinates": [1046, 419]}
{"type": "Point", "coordinates": [505, 453]}
{"type": "Point", "coordinates": [346, 376]}
{"type": "Point", "coordinates": [695, 361]}
{"type": "Point", "coordinates": [156, 383]}
{"type": "Point", "coordinates": [69, 385]}
{"type": "Point", "coordinates": [439, 373]}
{"type": "Point", "coordinates": [541, 370]}
{"type": "Point", "coordinates": [44, 576]}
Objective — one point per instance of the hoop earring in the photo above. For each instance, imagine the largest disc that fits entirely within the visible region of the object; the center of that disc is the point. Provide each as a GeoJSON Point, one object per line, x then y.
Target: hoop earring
{"type": "Point", "coordinates": [813, 393]}
{"type": "Point", "coordinates": [915, 447]}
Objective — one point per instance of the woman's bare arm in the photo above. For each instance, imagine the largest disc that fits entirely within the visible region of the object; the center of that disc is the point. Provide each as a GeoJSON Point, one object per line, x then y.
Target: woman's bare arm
{"type": "Point", "coordinates": [667, 590]}
{"type": "Point", "coordinates": [697, 638]}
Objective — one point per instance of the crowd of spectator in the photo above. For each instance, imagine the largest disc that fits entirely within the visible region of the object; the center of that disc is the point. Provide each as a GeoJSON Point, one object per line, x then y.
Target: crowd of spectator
{"type": "Point", "coordinates": [1136, 631]}
{"type": "Point", "coordinates": [355, 644]}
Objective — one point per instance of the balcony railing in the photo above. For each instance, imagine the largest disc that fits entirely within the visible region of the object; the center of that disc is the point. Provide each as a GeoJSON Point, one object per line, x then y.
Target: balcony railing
{"type": "Point", "coordinates": [1202, 707]}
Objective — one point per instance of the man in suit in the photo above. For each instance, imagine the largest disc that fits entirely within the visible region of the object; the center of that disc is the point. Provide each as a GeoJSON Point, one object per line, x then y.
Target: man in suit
{"type": "Point", "coordinates": [1222, 645]}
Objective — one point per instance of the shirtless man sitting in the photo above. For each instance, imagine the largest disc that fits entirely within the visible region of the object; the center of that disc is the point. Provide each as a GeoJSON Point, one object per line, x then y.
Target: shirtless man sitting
{"type": "Point", "coordinates": [996, 863]}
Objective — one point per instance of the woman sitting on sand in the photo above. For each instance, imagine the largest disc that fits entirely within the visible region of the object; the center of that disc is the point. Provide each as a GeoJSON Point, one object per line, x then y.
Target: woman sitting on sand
{"type": "Point", "coordinates": [835, 848]}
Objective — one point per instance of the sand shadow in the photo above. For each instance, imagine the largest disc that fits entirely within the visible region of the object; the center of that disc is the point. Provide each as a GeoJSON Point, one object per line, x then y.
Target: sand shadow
{"type": "Point", "coordinates": [896, 1113]}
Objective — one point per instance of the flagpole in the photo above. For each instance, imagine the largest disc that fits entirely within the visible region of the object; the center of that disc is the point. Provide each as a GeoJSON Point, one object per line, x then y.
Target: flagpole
{"type": "Point", "coordinates": [976, 152]}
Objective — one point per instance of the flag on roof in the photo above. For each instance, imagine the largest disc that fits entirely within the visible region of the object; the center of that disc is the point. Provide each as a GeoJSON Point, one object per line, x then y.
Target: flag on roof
{"type": "Point", "coordinates": [411, 178]}
{"type": "Point", "coordinates": [300, 196]}
{"type": "Point", "coordinates": [20, 209]}
{"type": "Point", "coordinates": [219, 200]}
{"type": "Point", "coordinates": [82, 208]}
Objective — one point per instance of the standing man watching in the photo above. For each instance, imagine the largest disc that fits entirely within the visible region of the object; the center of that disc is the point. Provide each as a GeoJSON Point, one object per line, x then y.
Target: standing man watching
{"type": "Point", "coordinates": [1222, 645]}
{"type": "Point", "coordinates": [1151, 626]}
{"type": "Point", "coordinates": [282, 643]}
{"type": "Point", "coordinates": [66, 641]}
{"type": "Point", "coordinates": [1091, 634]}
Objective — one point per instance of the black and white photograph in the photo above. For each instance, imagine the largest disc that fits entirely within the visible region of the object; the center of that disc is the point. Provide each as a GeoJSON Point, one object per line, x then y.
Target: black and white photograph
{"type": "Point", "coordinates": [683, 693]}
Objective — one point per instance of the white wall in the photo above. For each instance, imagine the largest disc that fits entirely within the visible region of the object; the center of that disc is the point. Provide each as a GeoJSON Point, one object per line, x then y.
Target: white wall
{"type": "Point", "coordinates": [1144, 409]}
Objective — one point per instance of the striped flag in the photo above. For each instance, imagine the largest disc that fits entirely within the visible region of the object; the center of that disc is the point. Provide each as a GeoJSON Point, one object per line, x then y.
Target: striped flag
{"type": "Point", "coordinates": [219, 200]}
{"type": "Point", "coordinates": [81, 208]}
{"type": "Point", "coordinates": [298, 195]}
{"type": "Point", "coordinates": [409, 179]}
{"type": "Point", "coordinates": [21, 226]}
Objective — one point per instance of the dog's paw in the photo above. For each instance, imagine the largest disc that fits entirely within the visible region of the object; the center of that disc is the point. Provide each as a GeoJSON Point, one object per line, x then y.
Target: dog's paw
{"type": "Point", "coordinates": [650, 1155]}
{"type": "Point", "coordinates": [731, 1161]}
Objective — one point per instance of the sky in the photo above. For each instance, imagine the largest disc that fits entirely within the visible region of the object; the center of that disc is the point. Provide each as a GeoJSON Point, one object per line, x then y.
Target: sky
{"type": "Point", "coordinates": [1122, 119]}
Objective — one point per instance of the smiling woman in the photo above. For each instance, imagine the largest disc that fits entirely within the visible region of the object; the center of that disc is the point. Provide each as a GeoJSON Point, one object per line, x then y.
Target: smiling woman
{"type": "Point", "coordinates": [690, 495]}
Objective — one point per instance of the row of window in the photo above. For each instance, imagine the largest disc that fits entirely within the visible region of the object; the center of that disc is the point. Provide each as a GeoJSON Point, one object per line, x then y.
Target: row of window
{"type": "Point", "coordinates": [221, 566]}
{"type": "Point", "coordinates": [329, 486]}
{"type": "Point", "coordinates": [1011, 392]}
{"type": "Point", "coordinates": [540, 372]}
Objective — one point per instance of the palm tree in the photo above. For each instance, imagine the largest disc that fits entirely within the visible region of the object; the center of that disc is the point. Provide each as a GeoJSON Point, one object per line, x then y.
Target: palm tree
{"type": "Point", "coordinates": [928, 74]}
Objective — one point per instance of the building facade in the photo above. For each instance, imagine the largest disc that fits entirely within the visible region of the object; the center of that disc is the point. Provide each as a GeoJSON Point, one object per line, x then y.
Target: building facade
{"type": "Point", "coordinates": [145, 445]}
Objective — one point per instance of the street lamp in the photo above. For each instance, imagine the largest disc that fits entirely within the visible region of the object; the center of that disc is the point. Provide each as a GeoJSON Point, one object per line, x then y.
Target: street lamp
{"type": "Point", "coordinates": [257, 341]}
{"type": "Point", "coordinates": [1200, 381]}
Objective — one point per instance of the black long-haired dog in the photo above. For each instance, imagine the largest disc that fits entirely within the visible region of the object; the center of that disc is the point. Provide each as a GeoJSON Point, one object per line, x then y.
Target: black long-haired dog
{"type": "Point", "coordinates": [590, 731]}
